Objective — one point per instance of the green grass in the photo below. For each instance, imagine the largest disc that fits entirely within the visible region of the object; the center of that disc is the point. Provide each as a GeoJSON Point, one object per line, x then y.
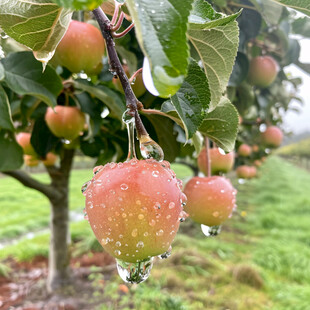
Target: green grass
{"type": "Point", "coordinates": [259, 261]}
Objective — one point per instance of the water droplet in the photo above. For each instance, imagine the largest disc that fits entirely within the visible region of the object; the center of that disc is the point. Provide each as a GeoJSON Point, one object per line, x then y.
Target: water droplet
{"type": "Point", "coordinates": [160, 232]}
{"type": "Point", "coordinates": [155, 174]}
{"type": "Point", "coordinates": [102, 205]}
{"type": "Point", "coordinates": [216, 214]}
{"type": "Point", "coordinates": [44, 57]}
{"type": "Point", "coordinates": [110, 219]}
{"type": "Point", "coordinates": [140, 244]}
{"type": "Point", "coordinates": [124, 215]}
{"type": "Point", "coordinates": [171, 205]}
{"type": "Point", "coordinates": [118, 244]}
{"type": "Point", "coordinates": [117, 252]}
{"type": "Point", "coordinates": [84, 187]}
{"type": "Point", "coordinates": [152, 222]}
{"type": "Point", "coordinates": [134, 233]}
{"type": "Point", "coordinates": [97, 169]}
{"type": "Point", "coordinates": [105, 241]}
{"type": "Point", "coordinates": [157, 205]}
{"type": "Point", "coordinates": [124, 186]}
{"type": "Point", "coordinates": [150, 149]}
{"type": "Point", "coordinates": [183, 199]}
{"type": "Point", "coordinates": [210, 231]}
{"type": "Point", "coordinates": [140, 216]}
{"type": "Point", "coordinates": [146, 234]}
{"type": "Point", "coordinates": [85, 215]}
{"type": "Point", "coordinates": [90, 204]}
{"type": "Point", "coordinates": [166, 254]}
{"type": "Point", "coordinates": [134, 272]}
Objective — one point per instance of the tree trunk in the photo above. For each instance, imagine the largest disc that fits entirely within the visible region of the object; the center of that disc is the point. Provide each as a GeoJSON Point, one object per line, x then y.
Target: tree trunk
{"type": "Point", "coordinates": [59, 258]}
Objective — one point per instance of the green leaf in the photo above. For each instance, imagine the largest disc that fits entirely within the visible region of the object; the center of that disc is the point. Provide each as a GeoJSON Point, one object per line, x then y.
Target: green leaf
{"type": "Point", "coordinates": [6, 121]}
{"type": "Point", "coordinates": [109, 97]}
{"type": "Point", "coordinates": [38, 24]}
{"type": "Point", "coordinates": [299, 5]}
{"type": "Point", "coordinates": [23, 74]}
{"type": "Point", "coordinates": [302, 26]}
{"type": "Point", "coordinates": [192, 99]}
{"type": "Point", "coordinates": [216, 42]}
{"type": "Point", "coordinates": [221, 125]}
{"type": "Point", "coordinates": [11, 155]}
{"type": "Point", "coordinates": [165, 136]}
{"type": "Point", "coordinates": [161, 32]}
{"type": "Point", "coordinates": [270, 10]}
{"type": "Point", "coordinates": [2, 73]}
{"type": "Point", "coordinates": [79, 4]}
{"type": "Point", "coordinates": [240, 70]}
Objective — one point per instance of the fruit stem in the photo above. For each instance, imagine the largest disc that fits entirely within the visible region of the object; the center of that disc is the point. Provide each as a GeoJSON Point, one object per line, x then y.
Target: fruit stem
{"type": "Point", "coordinates": [119, 22]}
{"type": "Point", "coordinates": [123, 33]}
{"type": "Point", "coordinates": [115, 15]}
{"type": "Point", "coordinates": [134, 75]}
{"type": "Point", "coordinates": [208, 157]}
{"type": "Point", "coordinates": [132, 103]}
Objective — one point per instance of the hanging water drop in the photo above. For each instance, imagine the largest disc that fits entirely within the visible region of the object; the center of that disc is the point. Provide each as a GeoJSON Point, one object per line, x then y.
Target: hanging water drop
{"type": "Point", "coordinates": [134, 272]}
{"type": "Point", "coordinates": [130, 124]}
{"type": "Point", "coordinates": [85, 215]}
{"type": "Point", "coordinates": [150, 149]}
{"type": "Point", "coordinates": [84, 187]}
{"type": "Point", "coordinates": [166, 254]}
{"type": "Point", "coordinates": [211, 231]}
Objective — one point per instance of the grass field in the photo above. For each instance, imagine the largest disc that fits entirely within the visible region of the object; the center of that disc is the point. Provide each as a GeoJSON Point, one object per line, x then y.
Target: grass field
{"type": "Point", "coordinates": [261, 260]}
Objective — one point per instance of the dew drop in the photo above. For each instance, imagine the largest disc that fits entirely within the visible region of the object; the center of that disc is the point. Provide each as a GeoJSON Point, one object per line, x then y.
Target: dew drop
{"type": "Point", "coordinates": [210, 231]}
{"type": "Point", "coordinates": [134, 233]}
{"type": "Point", "coordinates": [140, 244]}
{"type": "Point", "coordinates": [134, 272]}
{"type": "Point", "coordinates": [160, 232]}
{"type": "Point", "coordinates": [146, 234]}
{"type": "Point", "coordinates": [166, 254]}
{"type": "Point", "coordinates": [118, 244]}
{"type": "Point", "coordinates": [84, 187]}
{"type": "Point", "coordinates": [97, 169]}
{"type": "Point", "coordinates": [140, 216]}
{"type": "Point", "coordinates": [85, 215]}
{"type": "Point", "coordinates": [150, 149]}
{"type": "Point", "coordinates": [216, 214]}
{"type": "Point", "coordinates": [171, 205]}
{"type": "Point", "coordinates": [105, 241]}
{"type": "Point", "coordinates": [152, 222]}
{"type": "Point", "coordinates": [124, 186]}
{"type": "Point", "coordinates": [117, 252]}
{"type": "Point", "coordinates": [155, 174]}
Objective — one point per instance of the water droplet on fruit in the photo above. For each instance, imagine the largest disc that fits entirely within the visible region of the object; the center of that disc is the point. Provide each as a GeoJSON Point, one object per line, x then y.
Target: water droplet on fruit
{"type": "Point", "coordinates": [118, 244]}
{"type": "Point", "coordinates": [140, 216]}
{"type": "Point", "coordinates": [146, 234]}
{"type": "Point", "coordinates": [97, 169]}
{"type": "Point", "coordinates": [157, 205]}
{"type": "Point", "coordinates": [85, 215]}
{"type": "Point", "coordinates": [90, 204]}
{"type": "Point", "coordinates": [160, 232]}
{"type": "Point", "coordinates": [171, 205]}
{"type": "Point", "coordinates": [140, 244]}
{"type": "Point", "coordinates": [105, 241]}
{"type": "Point", "coordinates": [84, 187]}
{"type": "Point", "coordinates": [155, 174]}
{"type": "Point", "coordinates": [112, 165]}
{"type": "Point", "coordinates": [216, 214]}
{"type": "Point", "coordinates": [134, 272]}
{"type": "Point", "coordinates": [117, 252]}
{"type": "Point", "coordinates": [166, 254]}
{"type": "Point", "coordinates": [210, 231]}
{"type": "Point", "coordinates": [183, 199]}
{"type": "Point", "coordinates": [124, 186]}
{"type": "Point", "coordinates": [152, 222]}
{"type": "Point", "coordinates": [134, 233]}
{"type": "Point", "coordinates": [150, 149]}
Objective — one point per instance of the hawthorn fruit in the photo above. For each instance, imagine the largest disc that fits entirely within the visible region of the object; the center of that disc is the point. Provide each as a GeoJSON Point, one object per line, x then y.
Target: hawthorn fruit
{"type": "Point", "coordinates": [81, 49]}
{"type": "Point", "coordinates": [244, 150]}
{"type": "Point", "coordinates": [272, 136]}
{"type": "Point", "coordinates": [23, 139]}
{"type": "Point", "coordinates": [263, 71]}
{"type": "Point", "coordinates": [65, 121]}
{"type": "Point", "coordinates": [219, 162]}
{"type": "Point", "coordinates": [210, 200]}
{"type": "Point", "coordinates": [134, 208]}
{"type": "Point", "coordinates": [137, 87]}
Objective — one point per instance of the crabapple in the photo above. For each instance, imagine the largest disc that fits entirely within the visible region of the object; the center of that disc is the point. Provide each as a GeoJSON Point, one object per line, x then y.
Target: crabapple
{"type": "Point", "coordinates": [23, 139]}
{"type": "Point", "coordinates": [81, 49]}
{"type": "Point", "coordinates": [210, 200]}
{"type": "Point", "coordinates": [31, 160]}
{"type": "Point", "coordinates": [50, 159]}
{"type": "Point", "coordinates": [243, 172]}
{"type": "Point", "coordinates": [272, 136]}
{"type": "Point", "coordinates": [253, 172]}
{"type": "Point", "coordinates": [263, 71]}
{"type": "Point", "coordinates": [134, 208]}
{"type": "Point", "coordinates": [65, 121]}
{"type": "Point", "coordinates": [219, 162]}
{"type": "Point", "coordinates": [244, 150]}
{"type": "Point", "coordinates": [138, 86]}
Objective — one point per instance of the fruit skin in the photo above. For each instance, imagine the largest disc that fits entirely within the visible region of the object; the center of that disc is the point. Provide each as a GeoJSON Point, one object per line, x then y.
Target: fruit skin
{"type": "Point", "coordinates": [81, 49]}
{"type": "Point", "coordinates": [50, 159]}
{"type": "Point", "coordinates": [23, 139]}
{"type": "Point", "coordinates": [243, 172]}
{"type": "Point", "coordinates": [31, 161]}
{"type": "Point", "coordinates": [134, 208]}
{"type": "Point", "coordinates": [244, 150]}
{"type": "Point", "coordinates": [253, 172]}
{"type": "Point", "coordinates": [257, 163]}
{"type": "Point", "coordinates": [219, 162]}
{"type": "Point", "coordinates": [65, 122]}
{"type": "Point", "coordinates": [138, 86]}
{"type": "Point", "coordinates": [210, 200]}
{"type": "Point", "coordinates": [263, 71]}
{"type": "Point", "coordinates": [255, 148]}
{"type": "Point", "coordinates": [272, 136]}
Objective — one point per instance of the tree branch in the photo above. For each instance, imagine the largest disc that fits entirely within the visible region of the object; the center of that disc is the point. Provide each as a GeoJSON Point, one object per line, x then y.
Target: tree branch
{"type": "Point", "coordinates": [30, 182]}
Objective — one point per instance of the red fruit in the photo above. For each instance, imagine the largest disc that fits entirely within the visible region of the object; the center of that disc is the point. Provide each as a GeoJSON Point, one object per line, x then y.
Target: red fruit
{"type": "Point", "coordinates": [263, 159]}
{"type": "Point", "coordinates": [65, 122]}
{"type": "Point", "coordinates": [244, 150]}
{"type": "Point", "coordinates": [81, 49]}
{"type": "Point", "coordinates": [210, 200]}
{"type": "Point", "coordinates": [138, 86]}
{"type": "Point", "coordinates": [253, 171]}
{"type": "Point", "coordinates": [219, 162]}
{"type": "Point", "coordinates": [134, 208]}
{"type": "Point", "coordinates": [50, 159]}
{"type": "Point", "coordinates": [257, 163]}
{"type": "Point", "coordinates": [23, 139]}
{"type": "Point", "coordinates": [272, 136]}
{"type": "Point", "coordinates": [243, 172]}
{"type": "Point", "coordinates": [263, 71]}
{"type": "Point", "coordinates": [31, 160]}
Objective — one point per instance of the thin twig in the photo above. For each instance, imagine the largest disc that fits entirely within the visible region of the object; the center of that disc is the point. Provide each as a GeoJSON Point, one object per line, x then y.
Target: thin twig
{"type": "Point", "coordinates": [208, 157]}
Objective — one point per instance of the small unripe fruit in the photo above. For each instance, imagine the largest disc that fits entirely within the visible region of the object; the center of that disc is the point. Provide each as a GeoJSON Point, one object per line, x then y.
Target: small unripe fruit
{"type": "Point", "coordinates": [210, 200]}
{"type": "Point", "coordinates": [134, 208]}
{"type": "Point", "coordinates": [23, 139]}
{"type": "Point", "coordinates": [65, 122]}
{"type": "Point", "coordinates": [50, 159]}
{"type": "Point", "coordinates": [137, 87]}
{"type": "Point", "coordinates": [244, 150]}
{"type": "Point", "coordinates": [243, 172]}
{"type": "Point", "coordinates": [255, 148]}
{"type": "Point", "coordinates": [272, 136]}
{"type": "Point", "coordinates": [81, 49]}
{"type": "Point", "coordinates": [31, 161]}
{"type": "Point", "coordinates": [257, 163]}
{"type": "Point", "coordinates": [253, 171]}
{"type": "Point", "coordinates": [263, 71]}
{"type": "Point", "coordinates": [219, 162]}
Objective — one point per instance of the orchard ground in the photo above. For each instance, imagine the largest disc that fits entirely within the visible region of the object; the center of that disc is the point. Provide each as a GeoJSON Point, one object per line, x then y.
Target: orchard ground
{"type": "Point", "coordinates": [259, 261]}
